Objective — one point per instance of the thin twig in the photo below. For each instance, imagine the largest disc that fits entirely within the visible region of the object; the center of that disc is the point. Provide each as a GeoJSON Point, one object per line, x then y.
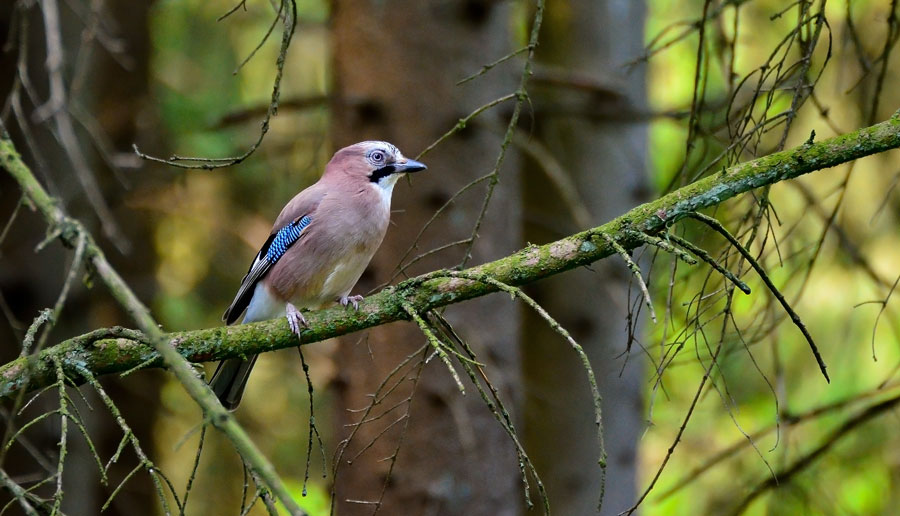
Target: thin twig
{"type": "Point", "coordinates": [634, 270]}
{"type": "Point", "coordinates": [713, 223]}
{"type": "Point", "coordinates": [313, 430]}
{"type": "Point", "coordinates": [18, 493]}
{"type": "Point", "coordinates": [194, 468]}
{"type": "Point", "coordinates": [439, 348]}
{"type": "Point", "coordinates": [809, 458]}
{"type": "Point", "coordinates": [290, 24]}
{"type": "Point", "coordinates": [492, 64]}
{"type": "Point", "coordinates": [664, 245]}
{"type": "Point", "coordinates": [464, 121]}
{"type": "Point", "coordinates": [703, 255]}
{"type": "Point", "coordinates": [555, 326]}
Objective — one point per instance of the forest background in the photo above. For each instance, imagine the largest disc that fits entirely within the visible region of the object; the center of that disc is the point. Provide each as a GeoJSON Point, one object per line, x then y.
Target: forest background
{"type": "Point", "coordinates": [712, 402]}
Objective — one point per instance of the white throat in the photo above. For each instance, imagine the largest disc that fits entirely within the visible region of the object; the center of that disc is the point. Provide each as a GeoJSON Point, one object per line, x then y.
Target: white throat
{"type": "Point", "coordinates": [385, 187]}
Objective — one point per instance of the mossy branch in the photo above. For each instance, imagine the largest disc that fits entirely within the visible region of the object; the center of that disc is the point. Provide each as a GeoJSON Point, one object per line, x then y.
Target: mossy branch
{"type": "Point", "coordinates": [116, 350]}
{"type": "Point", "coordinates": [48, 368]}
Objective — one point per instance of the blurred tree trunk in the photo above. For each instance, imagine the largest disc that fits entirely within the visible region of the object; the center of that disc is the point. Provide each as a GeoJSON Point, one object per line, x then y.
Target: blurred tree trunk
{"type": "Point", "coordinates": [396, 64]}
{"type": "Point", "coordinates": [582, 97]}
{"type": "Point", "coordinates": [112, 94]}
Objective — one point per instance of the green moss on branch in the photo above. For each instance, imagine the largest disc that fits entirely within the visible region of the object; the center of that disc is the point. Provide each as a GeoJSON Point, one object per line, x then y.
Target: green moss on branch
{"type": "Point", "coordinates": [119, 351]}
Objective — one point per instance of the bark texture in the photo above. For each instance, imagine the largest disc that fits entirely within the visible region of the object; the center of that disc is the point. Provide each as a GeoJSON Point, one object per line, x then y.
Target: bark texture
{"type": "Point", "coordinates": [395, 67]}
{"type": "Point", "coordinates": [579, 88]}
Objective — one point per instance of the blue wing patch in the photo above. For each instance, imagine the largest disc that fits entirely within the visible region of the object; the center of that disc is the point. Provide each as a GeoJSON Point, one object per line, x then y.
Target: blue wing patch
{"type": "Point", "coordinates": [285, 237]}
{"type": "Point", "coordinates": [274, 248]}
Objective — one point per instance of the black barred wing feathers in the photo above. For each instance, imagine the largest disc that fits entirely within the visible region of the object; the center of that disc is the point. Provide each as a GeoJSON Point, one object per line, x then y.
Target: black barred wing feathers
{"type": "Point", "coordinates": [276, 245]}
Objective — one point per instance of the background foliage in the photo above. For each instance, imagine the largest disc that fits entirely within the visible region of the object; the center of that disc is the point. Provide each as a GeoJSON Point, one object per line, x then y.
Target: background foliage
{"type": "Point", "coordinates": [829, 241]}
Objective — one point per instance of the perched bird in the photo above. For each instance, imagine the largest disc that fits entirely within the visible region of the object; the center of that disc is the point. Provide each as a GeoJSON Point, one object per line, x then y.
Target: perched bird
{"type": "Point", "coordinates": [319, 247]}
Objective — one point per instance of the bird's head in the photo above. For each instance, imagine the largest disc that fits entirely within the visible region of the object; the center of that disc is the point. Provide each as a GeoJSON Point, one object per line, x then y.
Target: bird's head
{"type": "Point", "coordinates": [379, 163]}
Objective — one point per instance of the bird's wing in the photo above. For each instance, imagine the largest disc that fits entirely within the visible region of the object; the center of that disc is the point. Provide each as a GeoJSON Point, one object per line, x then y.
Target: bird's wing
{"type": "Point", "coordinates": [274, 248]}
{"type": "Point", "coordinates": [290, 226]}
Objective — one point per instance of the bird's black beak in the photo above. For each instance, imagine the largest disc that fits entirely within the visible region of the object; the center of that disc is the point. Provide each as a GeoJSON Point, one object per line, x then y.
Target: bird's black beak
{"type": "Point", "coordinates": [409, 166]}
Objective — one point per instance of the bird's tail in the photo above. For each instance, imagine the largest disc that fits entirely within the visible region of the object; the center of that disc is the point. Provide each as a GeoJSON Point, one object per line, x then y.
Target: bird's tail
{"type": "Point", "coordinates": [229, 380]}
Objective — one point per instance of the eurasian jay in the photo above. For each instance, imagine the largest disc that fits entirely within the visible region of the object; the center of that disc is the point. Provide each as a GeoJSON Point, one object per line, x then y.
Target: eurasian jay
{"type": "Point", "coordinates": [318, 248]}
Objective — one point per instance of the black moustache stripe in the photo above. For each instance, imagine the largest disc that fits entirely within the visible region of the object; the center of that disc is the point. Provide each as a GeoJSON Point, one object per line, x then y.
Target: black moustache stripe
{"type": "Point", "coordinates": [382, 172]}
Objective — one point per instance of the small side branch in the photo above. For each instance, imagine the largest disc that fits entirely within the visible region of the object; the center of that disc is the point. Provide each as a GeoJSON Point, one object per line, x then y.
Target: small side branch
{"type": "Point", "coordinates": [313, 429]}
{"type": "Point", "coordinates": [485, 68]}
{"type": "Point", "coordinates": [703, 255]}
{"type": "Point", "coordinates": [807, 460]}
{"type": "Point", "coordinates": [435, 343]}
{"type": "Point", "coordinates": [555, 326]}
{"type": "Point", "coordinates": [714, 224]}
{"type": "Point", "coordinates": [665, 246]}
{"type": "Point", "coordinates": [19, 494]}
{"type": "Point", "coordinates": [287, 13]}
{"type": "Point", "coordinates": [634, 270]}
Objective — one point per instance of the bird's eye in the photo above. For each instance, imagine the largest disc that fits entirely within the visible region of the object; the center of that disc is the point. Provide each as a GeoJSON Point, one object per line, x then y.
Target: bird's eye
{"type": "Point", "coordinates": [377, 156]}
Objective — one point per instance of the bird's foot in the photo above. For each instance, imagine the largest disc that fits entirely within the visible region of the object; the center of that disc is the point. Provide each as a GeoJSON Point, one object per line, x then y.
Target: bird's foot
{"type": "Point", "coordinates": [348, 300]}
{"type": "Point", "coordinates": [295, 319]}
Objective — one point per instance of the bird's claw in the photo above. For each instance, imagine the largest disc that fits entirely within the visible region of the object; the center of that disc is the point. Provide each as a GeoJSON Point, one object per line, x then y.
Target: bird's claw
{"type": "Point", "coordinates": [351, 300]}
{"type": "Point", "coordinates": [295, 319]}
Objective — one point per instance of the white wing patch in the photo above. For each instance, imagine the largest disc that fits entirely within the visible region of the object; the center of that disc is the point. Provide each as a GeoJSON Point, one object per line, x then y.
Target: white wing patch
{"type": "Point", "coordinates": [263, 305]}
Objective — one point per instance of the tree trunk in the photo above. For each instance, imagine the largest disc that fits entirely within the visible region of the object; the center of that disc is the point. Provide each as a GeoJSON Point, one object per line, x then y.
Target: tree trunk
{"type": "Point", "coordinates": [396, 65]}
{"type": "Point", "coordinates": [580, 89]}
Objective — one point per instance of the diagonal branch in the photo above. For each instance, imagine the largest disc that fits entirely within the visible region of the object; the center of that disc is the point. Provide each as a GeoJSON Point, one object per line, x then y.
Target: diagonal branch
{"type": "Point", "coordinates": [45, 366]}
{"type": "Point", "coordinates": [115, 350]}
